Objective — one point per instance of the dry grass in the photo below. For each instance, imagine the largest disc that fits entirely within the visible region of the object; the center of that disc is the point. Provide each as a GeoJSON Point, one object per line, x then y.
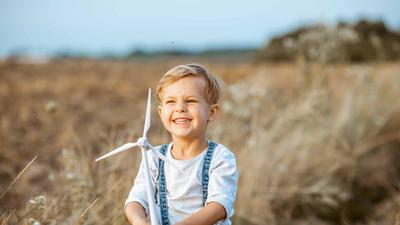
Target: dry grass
{"type": "Point", "coordinates": [16, 178]}
{"type": "Point", "coordinates": [315, 144]}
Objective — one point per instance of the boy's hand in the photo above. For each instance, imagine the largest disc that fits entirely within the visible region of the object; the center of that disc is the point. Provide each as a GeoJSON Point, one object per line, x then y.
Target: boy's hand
{"type": "Point", "coordinates": [135, 214]}
{"type": "Point", "coordinates": [139, 221]}
{"type": "Point", "coordinates": [209, 214]}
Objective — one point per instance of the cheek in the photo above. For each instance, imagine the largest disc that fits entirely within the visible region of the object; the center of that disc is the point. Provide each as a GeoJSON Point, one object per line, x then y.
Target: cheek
{"type": "Point", "coordinates": [165, 121]}
{"type": "Point", "coordinates": [166, 113]}
{"type": "Point", "coordinates": [203, 114]}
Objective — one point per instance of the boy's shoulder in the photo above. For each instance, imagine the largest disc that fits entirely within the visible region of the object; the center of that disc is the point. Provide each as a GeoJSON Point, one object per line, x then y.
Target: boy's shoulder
{"type": "Point", "coordinates": [222, 149]}
{"type": "Point", "coordinates": [223, 153]}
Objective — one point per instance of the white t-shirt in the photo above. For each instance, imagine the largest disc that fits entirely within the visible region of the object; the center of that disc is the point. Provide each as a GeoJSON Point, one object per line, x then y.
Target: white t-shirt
{"type": "Point", "coordinates": [184, 186]}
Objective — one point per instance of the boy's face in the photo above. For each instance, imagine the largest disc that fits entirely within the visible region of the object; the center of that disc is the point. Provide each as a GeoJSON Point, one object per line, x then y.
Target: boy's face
{"type": "Point", "coordinates": [184, 110]}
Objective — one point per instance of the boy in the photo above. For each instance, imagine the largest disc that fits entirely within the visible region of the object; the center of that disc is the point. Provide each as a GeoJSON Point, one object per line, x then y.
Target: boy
{"type": "Point", "coordinates": [203, 191]}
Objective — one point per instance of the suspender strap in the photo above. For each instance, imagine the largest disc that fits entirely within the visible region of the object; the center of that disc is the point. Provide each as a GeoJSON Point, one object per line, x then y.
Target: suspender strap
{"type": "Point", "coordinates": [162, 189]}
{"type": "Point", "coordinates": [206, 168]}
{"type": "Point", "coordinates": [162, 185]}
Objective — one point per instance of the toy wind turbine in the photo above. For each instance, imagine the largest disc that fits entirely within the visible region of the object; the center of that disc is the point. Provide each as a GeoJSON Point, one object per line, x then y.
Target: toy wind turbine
{"type": "Point", "coordinates": [144, 145]}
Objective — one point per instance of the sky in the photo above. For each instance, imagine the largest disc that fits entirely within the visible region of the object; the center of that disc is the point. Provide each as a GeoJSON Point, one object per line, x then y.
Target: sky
{"type": "Point", "coordinates": [100, 27]}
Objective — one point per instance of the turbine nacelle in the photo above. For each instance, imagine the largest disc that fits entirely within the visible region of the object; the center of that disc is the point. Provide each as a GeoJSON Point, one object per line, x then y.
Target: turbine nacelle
{"type": "Point", "coordinates": [142, 142]}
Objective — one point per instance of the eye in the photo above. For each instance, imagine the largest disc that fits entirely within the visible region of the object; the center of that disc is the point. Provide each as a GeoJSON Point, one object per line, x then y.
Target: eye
{"type": "Point", "coordinates": [169, 101]}
{"type": "Point", "coordinates": [191, 101]}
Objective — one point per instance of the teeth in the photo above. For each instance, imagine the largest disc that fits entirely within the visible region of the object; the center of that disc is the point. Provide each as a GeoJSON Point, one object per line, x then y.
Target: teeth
{"type": "Point", "coordinates": [181, 120]}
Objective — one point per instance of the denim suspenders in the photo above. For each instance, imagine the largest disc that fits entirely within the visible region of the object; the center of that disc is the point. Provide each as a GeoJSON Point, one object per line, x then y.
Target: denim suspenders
{"type": "Point", "coordinates": [162, 185]}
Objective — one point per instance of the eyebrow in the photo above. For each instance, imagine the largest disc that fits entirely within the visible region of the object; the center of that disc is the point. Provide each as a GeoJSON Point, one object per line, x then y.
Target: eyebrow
{"type": "Point", "coordinates": [189, 96]}
{"type": "Point", "coordinates": [192, 96]}
{"type": "Point", "coordinates": [169, 97]}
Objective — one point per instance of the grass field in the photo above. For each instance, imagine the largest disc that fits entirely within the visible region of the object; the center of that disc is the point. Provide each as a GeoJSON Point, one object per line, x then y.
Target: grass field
{"type": "Point", "coordinates": [315, 144]}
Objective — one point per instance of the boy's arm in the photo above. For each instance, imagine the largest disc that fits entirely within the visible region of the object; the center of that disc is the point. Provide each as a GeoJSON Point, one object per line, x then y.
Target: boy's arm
{"type": "Point", "coordinates": [209, 214]}
{"type": "Point", "coordinates": [222, 189]}
{"type": "Point", "coordinates": [136, 204]}
{"type": "Point", "coordinates": [135, 214]}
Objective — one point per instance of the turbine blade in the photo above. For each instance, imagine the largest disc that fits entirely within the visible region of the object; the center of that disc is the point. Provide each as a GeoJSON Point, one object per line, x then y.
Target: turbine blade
{"type": "Point", "coordinates": [118, 150]}
{"type": "Point", "coordinates": [148, 115]}
{"type": "Point", "coordinates": [161, 156]}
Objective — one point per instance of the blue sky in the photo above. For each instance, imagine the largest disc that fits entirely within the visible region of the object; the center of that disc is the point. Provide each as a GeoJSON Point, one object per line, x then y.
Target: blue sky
{"type": "Point", "coordinates": [99, 26]}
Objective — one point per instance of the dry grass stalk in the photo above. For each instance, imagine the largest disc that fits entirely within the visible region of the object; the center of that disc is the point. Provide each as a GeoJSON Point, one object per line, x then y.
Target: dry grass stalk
{"type": "Point", "coordinates": [18, 176]}
{"type": "Point", "coordinates": [5, 217]}
{"type": "Point", "coordinates": [90, 206]}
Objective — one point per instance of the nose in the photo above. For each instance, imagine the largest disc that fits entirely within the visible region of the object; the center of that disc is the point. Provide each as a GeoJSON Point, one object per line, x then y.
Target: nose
{"type": "Point", "coordinates": [180, 107]}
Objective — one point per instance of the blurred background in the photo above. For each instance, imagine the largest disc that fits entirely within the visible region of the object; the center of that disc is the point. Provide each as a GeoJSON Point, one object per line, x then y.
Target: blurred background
{"type": "Point", "coordinates": [310, 105]}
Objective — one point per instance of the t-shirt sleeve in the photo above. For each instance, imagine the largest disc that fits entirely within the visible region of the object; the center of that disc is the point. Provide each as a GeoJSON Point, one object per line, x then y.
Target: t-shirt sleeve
{"type": "Point", "coordinates": [138, 192]}
{"type": "Point", "coordinates": [222, 186]}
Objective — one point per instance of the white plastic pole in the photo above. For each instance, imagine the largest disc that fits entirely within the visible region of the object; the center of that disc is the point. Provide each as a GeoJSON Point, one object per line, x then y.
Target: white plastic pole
{"type": "Point", "coordinates": [150, 190]}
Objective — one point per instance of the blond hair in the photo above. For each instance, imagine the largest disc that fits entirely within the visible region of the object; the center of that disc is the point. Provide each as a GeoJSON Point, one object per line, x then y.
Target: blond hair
{"type": "Point", "coordinates": [213, 84]}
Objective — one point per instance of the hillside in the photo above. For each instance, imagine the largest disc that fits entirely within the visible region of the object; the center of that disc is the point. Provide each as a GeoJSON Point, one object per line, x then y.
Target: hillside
{"type": "Point", "coordinates": [364, 41]}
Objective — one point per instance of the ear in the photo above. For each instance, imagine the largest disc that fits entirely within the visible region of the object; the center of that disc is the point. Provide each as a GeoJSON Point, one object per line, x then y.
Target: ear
{"type": "Point", "coordinates": [214, 110]}
{"type": "Point", "coordinates": [160, 110]}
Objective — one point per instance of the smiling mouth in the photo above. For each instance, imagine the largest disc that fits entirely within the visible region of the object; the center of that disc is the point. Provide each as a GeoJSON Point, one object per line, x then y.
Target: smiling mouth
{"type": "Point", "coordinates": [181, 121]}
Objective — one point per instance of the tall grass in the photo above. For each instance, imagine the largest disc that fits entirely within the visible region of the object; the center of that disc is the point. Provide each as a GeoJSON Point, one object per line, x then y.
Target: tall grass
{"type": "Point", "coordinates": [314, 143]}
{"type": "Point", "coordinates": [301, 145]}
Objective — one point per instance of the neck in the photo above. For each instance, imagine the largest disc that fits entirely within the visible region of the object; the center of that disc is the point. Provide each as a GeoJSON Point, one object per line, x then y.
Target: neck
{"type": "Point", "coordinates": [183, 149]}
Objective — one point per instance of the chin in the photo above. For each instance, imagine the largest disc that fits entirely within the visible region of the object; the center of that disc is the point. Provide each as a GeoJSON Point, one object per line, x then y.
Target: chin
{"type": "Point", "coordinates": [180, 135]}
{"type": "Point", "coordinates": [183, 135]}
